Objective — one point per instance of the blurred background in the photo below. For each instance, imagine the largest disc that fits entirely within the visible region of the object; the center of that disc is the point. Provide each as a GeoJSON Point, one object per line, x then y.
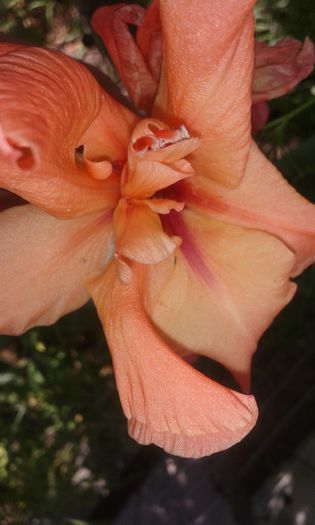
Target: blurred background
{"type": "Point", "coordinates": [65, 456]}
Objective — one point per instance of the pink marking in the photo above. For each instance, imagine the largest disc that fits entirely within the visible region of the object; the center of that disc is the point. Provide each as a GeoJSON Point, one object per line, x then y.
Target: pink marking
{"type": "Point", "coordinates": [232, 214]}
{"type": "Point", "coordinates": [188, 247]}
{"type": "Point", "coordinates": [7, 150]}
{"type": "Point", "coordinates": [118, 166]}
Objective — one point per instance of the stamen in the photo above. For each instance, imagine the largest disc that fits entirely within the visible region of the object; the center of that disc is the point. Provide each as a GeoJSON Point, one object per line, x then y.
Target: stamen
{"type": "Point", "coordinates": [98, 168]}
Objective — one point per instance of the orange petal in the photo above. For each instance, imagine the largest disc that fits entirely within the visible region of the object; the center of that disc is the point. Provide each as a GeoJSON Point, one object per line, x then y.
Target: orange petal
{"type": "Point", "coordinates": [149, 39]}
{"type": "Point", "coordinates": [108, 137]}
{"type": "Point", "coordinates": [165, 400]}
{"type": "Point", "coordinates": [44, 262]}
{"type": "Point", "coordinates": [223, 290]}
{"type": "Point", "coordinates": [139, 234]}
{"type": "Point", "coordinates": [7, 47]}
{"type": "Point", "coordinates": [111, 24]}
{"type": "Point", "coordinates": [45, 126]}
{"type": "Point", "coordinates": [150, 177]}
{"type": "Point", "coordinates": [264, 200]}
{"type": "Point", "coordinates": [206, 81]}
{"type": "Point", "coordinates": [281, 67]}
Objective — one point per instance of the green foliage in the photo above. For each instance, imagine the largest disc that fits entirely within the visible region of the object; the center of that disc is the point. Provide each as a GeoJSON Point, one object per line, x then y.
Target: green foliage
{"type": "Point", "coordinates": [279, 18]}
{"type": "Point", "coordinates": [41, 21]}
{"type": "Point", "coordinates": [63, 437]}
{"type": "Point", "coordinates": [26, 20]}
{"type": "Point", "coordinates": [296, 17]}
{"type": "Point", "coordinates": [292, 117]}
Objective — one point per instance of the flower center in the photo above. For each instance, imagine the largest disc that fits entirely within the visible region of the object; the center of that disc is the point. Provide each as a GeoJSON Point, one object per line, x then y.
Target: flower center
{"type": "Point", "coordinates": [156, 160]}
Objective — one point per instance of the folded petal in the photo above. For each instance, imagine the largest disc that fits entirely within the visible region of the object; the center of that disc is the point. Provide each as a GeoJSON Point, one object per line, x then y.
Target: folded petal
{"type": "Point", "coordinates": [260, 115]}
{"type": "Point", "coordinates": [264, 200]}
{"type": "Point", "coordinates": [44, 262]}
{"type": "Point", "coordinates": [151, 176]}
{"type": "Point", "coordinates": [111, 24]}
{"type": "Point", "coordinates": [48, 102]}
{"type": "Point", "coordinates": [139, 234]}
{"type": "Point", "coordinates": [108, 136]}
{"type": "Point", "coordinates": [206, 81]}
{"type": "Point", "coordinates": [149, 39]}
{"type": "Point", "coordinates": [221, 291]}
{"type": "Point", "coordinates": [166, 401]}
{"type": "Point", "coordinates": [281, 67]}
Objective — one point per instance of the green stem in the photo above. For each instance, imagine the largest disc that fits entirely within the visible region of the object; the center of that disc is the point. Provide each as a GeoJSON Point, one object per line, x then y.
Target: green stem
{"type": "Point", "coordinates": [283, 120]}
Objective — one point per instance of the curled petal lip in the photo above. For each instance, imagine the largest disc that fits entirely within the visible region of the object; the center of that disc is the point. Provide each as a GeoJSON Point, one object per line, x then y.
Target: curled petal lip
{"type": "Point", "coordinates": [111, 24]}
{"type": "Point", "coordinates": [165, 400]}
{"type": "Point", "coordinates": [41, 137]}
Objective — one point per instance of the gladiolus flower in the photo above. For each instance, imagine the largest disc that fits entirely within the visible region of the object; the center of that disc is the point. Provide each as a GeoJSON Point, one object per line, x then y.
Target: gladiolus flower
{"type": "Point", "coordinates": [176, 225]}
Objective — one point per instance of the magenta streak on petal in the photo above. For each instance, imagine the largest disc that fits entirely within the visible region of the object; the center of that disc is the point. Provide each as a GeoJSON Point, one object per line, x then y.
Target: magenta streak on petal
{"type": "Point", "coordinates": [232, 214]}
{"type": "Point", "coordinates": [189, 248]}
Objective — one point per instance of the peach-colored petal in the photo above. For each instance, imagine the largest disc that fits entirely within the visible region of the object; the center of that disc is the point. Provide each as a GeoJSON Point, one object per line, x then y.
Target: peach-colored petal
{"type": "Point", "coordinates": [281, 67]}
{"type": "Point", "coordinates": [111, 24]}
{"type": "Point", "coordinates": [149, 39]}
{"type": "Point", "coordinates": [44, 262]}
{"type": "Point", "coordinates": [206, 81]}
{"type": "Point", "coordinates": [48, 101]}
{"type": "Point", "coordinates": [165, 400]}
{"type": "Point", "coordinates": [139, 234]}
{"type": "Point", "coordinates": [221, 291]}
{"type": "Point", "coordinates": [264, 200]}
{"type": "Point", "coordinates": [150, 177]}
